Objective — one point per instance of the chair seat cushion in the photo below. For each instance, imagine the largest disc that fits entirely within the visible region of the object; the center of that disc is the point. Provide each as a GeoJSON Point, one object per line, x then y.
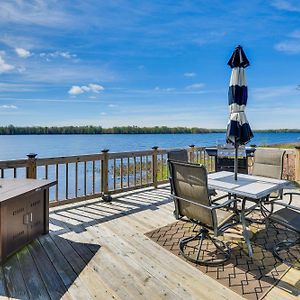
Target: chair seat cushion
{"type": "Point", "coordinates": [287, 217]}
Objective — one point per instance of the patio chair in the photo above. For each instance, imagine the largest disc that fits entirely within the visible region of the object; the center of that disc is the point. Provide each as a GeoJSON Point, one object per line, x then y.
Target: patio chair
{"type": "Point", "coordinates": [178, 155]}
{"type": "Point", "coordinates": [269, 163]}
{"type": "Point", "coordinates": [182, 155]}
{"type": "Point", "coordinates": [287, 217]}
{"type": "Point", "coordinates": [191, 199]}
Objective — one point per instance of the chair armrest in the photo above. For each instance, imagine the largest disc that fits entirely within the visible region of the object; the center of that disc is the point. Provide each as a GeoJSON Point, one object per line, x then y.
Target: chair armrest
{"type": "Point", "coordinates": [292, 193]}
{"type": "Point", "coordinates": [219, 198]}
{"type": "Point", "coordinates": [226, 203]}
{"type": "Point", "coordinates": [213, 207]}
{"type": "Point", "coordinates": [286, 205]}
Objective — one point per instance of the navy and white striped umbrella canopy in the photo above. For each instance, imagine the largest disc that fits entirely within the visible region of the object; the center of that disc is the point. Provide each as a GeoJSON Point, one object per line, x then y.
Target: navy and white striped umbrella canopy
{"type": "Point", "coordinates": [238, 129]}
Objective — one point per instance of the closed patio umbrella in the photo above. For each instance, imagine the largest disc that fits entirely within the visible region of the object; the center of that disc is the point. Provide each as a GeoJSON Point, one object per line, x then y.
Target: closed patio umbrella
{"type": "Point", "coordinates": [238, 128]}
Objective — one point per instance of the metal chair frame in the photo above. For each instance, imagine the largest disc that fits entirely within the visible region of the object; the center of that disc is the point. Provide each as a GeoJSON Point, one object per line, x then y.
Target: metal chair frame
{"type": "Point", "coordinates": [286, 244]}
{"type": "Point", "coordinates": [266, 207]}
{"type": "Point", "coordinates": [203, 232]}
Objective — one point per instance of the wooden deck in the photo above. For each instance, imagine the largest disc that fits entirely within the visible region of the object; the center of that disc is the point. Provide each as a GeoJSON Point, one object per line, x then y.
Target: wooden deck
{"type": "Point", "coordinates": [99, 250]}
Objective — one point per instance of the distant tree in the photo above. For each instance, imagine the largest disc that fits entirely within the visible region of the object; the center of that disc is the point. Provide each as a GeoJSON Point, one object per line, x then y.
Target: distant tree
{"type": "Point", "coordinates": [14, 130]}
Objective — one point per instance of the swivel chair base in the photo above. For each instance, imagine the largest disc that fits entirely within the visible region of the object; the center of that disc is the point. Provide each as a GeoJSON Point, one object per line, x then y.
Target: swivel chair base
{"type": "Point", "coordinates": [222, 251]}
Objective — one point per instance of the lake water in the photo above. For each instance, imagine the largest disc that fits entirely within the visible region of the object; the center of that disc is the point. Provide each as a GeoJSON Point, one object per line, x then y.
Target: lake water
{"type": "Point", "coordinates": [17, 146]}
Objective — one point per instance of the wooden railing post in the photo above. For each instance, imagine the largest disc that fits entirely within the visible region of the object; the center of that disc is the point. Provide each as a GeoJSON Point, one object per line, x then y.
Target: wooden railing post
{"type": "Point", "coordinates": [192, 153]}
{"type": "Point", "coordinates": [297, 164]}
{"type": "Point", "coordinates": [104, 176]}
{"type": "Point", "coordinates": [31, 166]}
{"type": "Point", "coordinates": [154, 166]}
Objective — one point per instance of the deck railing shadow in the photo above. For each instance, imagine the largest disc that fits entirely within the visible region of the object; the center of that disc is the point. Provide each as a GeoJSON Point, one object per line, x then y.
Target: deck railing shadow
{"type": "Point", "coordinates": [86, 214]}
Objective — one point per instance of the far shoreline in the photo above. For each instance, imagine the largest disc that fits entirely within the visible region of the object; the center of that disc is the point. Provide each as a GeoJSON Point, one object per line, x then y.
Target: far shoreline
{"type": "Point", "coordinates": [91, 129]}
{"type": "Point", "coordinates": [282, 145]}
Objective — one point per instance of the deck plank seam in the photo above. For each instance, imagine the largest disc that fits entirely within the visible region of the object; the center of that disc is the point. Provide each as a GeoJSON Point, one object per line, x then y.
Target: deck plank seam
{"type": "Point", "coordinates": [35, 266]}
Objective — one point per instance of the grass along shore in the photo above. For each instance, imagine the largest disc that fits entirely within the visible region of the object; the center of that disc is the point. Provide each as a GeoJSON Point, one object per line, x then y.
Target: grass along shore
{"type": "Point", "coordinates": [281, 146]}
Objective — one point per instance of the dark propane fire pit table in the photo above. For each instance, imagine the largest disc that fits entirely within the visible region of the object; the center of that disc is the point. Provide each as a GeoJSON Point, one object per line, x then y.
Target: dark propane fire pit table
{"type": "Point", "coordinates": [24, 213]}
{"type": "Point", "coordinates": [224, 158]}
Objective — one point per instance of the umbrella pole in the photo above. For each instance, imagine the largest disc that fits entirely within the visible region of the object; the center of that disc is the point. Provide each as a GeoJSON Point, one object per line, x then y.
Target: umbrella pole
{"type": "Point", "coordinates": [236, 160]}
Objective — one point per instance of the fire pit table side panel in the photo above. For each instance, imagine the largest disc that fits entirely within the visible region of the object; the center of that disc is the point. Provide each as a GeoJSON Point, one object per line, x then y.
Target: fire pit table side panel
{"type": "Point", "coordinates": [24, 213]}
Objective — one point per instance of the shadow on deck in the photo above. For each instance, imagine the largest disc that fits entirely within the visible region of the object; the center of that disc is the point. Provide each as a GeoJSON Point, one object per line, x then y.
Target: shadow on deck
{"type": "Point", "coordinates": [41, 270]}
{"type": "Point", "coordinates": [79, 216]}
{"type": "Point", "coordinates": [56, 264]}
{"type": "Point", "coordinates": [98, 250]}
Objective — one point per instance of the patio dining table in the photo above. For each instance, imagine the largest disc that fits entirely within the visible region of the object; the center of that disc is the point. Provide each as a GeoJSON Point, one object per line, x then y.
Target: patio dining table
{"type": "Point", "coordinates": [256, 189]}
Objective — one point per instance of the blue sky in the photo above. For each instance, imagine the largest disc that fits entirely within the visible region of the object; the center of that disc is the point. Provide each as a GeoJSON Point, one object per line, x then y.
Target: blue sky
{"type": "Point", "coordinates": [146, 63]}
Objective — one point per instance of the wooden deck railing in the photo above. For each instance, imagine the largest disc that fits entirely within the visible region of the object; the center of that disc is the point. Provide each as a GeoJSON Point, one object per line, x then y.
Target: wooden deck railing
{"type": "Point", "coordinates": [103, 174]}
{"type": "Point", "coordinates": [94, 175]}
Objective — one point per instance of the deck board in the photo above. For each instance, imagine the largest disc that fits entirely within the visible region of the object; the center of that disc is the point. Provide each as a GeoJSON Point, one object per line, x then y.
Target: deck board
{"type": "Point", "coordinates": [14, 280]}
{"type": "Point", "coordinates": [126, 272]}
{"type": "Point", "coordinates": [49, 275]}
{"type": "Point", "coordinates": [3, 288]}
{"type": "Point", "coordinates": [33, 282]}
{"type": "Point", "coordinates": [98, 250]}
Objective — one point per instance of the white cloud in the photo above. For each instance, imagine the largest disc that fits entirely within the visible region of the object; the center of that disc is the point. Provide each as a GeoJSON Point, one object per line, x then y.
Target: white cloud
{"type": "Point", "coordinates": [189, 74]}
{"type": "Point", "coordinates": [16, 41]}
{"type": "Point", "coordinates": [169, 89]}
{"type": "Point", "coordinates": [288, 5]}
{"type": "Point", "coordinates": [292, 47]}
{"type": "Point", "coordinates": [85, 88]}
{"type": "Point", "coordinates": [17, 87]}
{"type": "Point", "coordinates": [62, 72]}
{"type": "Point", "coordinates": [295, 34]}
{"type": "Point", "coordinates": [5, 67]}
{"type": "Point", "coordinates": [75, 90]}
{"type": "Point", "coordinates": [22, 52]}
{"type": "Point", "coordinates": [67, 55]}
{"type": "Point", "coordinates": [96, 88]}
{"type": "Point", "coordinates": [92, 87]}
{"type": "Point", "coordinates": [6, 106]}
{"type": "Point", "coordinates": [56, 54]}
{"type": "Point", "coordinates": [112, 105]}
{"type": "Point", "coordinates": [195, 86]}
{"type": "Point", "coordinates": [21, 69]}
{"type": "Point", "coordinates": [36, 12]}
{"type": "Point", "coordinates": [274, 92]}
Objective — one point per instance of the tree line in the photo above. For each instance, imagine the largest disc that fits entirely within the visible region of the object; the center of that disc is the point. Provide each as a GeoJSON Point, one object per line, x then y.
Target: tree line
{"type": "Point", "coordinates": [15, 130]}
{"type": "Point", "coordinates": [18, 130]}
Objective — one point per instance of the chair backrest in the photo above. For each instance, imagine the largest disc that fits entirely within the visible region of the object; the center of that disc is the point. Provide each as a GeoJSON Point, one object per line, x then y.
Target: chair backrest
{"type": "Point", "coordinates": [268, 163]}
{"type": "Point", "coordinates": [189, 181]}
{"type": "Point", "coordinates": [178, 155]}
